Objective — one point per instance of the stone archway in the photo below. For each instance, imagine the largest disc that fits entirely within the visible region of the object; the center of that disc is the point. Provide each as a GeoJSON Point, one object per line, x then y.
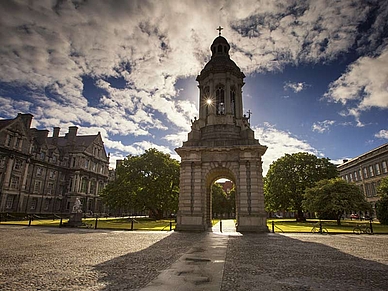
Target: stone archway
{"type": "Point", "coordinates": [221, 143]}
{"type": "Point", "coordinates": [214, 175]}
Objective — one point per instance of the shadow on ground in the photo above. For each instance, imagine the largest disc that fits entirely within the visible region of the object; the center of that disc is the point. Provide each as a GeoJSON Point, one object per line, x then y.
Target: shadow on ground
{"type": "Point", "coordinates": [135, 270]}
{"type": "Point", "coordinates": [277, 262]}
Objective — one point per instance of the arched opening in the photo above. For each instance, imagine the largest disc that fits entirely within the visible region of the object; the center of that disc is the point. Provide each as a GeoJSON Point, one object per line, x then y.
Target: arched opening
{"type": "Point", "coordinates": [220, 101]}
{"type": "Point", "coordinates": [221, 195]}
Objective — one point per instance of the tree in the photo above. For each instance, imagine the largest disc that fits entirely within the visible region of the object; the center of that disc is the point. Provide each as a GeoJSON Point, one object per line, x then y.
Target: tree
{"type": "Point", "coordinates": [149, 181]}
{"type": "Point", "coordinates": [222, 202]}
{"type": "Point", "coordinates": [219, 200]}
{"type": "Point", "coordinates": [331, 198]}
{"type": "Point", "coordinates": [382, 203]}
{"type": "Point", "coordinates": [289, 176]}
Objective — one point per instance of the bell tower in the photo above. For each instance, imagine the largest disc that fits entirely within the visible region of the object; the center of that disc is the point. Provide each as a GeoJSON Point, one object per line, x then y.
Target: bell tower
{"type": "Point", "coordinates": [221, 144]}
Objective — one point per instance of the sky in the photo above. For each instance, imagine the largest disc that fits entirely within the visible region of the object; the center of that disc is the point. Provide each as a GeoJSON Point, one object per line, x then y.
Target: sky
{"type": "Point", "coordinates": [316, 71]}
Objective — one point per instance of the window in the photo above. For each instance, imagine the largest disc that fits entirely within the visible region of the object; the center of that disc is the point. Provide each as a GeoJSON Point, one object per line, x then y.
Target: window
{"type": "Point", "coordinates": [373, 189]}
{"type": "Point", "coordinates": [86, 164]}
{"type": "Point", "coordinates": [377, 169]}
{"type": "Point", "coordinates": [93, 167]}
{"type": "Point", "coordinates": [39, 171]}
{"type": "Point", "coordinates": [365, 173]}
{"type": "Point", "coordinates": [93, 187]}
{"type": "Point", "coordinates": [346, 178]}
{"type": "Point", "coordinates": [46, 204]}
{"type": "Point", "coordinates": [350, 177]}
{"type": "Point", "coordinates": [355, 176]}
{"type": "Point", "coordinates": [18, 143]}
{"type": "Point", "coordinates": [37, 186]}
{"type": "Point", "coordinates": [54, 159]}
{"type": "Point", "coordinates": [50, 188]}
{"type": "Point", "coordinates": [34, 203]}
{"type": "Point", "coordinates": [2, 162]}
{"type": "Point", "coordinates": [384, 165]}
{"type": "Point", "coordinates": [42, 156]}
{"type": "Point", "coordinates": [84, 185]}
{"type": "Point", "coordinates": [52, 174]}
{"type": "Point", "coordinates": [8, 140]}
{"type": "Point", "coordinates": [9, 202]}
{"type": "Point", "coordinates": [18, 164]}
{"type": "Point", "coordinates": [15, 182]}
{"type": "Point", "coordinates": [220, 101]}
{"type": "Point", "coordinates": [359, 174]}
{"type": "Point", "coordinates": [371, 174]}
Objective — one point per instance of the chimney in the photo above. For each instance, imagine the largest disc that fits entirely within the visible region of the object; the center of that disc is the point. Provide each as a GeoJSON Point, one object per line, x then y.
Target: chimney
{"type": "Point", "coordinates": [55, 135]}
{"type": "Point", "coordinates": [345, 160]}
{"type": "Point", "coordinates": [56, 131]}
{"type": "Point", "coordinates": [72, 133]}
{"type": "Point", "coordinates": [41, 135]}
{"type": "Point", "coordinates": [27, 119]}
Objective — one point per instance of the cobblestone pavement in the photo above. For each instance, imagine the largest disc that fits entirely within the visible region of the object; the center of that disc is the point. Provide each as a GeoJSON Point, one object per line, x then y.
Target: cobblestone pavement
{"type": "Point", "coordinates": [306, 262]}
{"type": "Point", "coordinates": [38, 258]}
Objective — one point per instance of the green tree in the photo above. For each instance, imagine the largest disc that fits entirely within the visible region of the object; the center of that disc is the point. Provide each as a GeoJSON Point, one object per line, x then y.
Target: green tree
{"type": "Point", "coordinates": [382, 203]}
{"type": "Point", "coordinates": [289, 176]}
{"type": "Point", "coordinates": [331, 198]}
{"type": "Point", "coordinates": [219, 200]}
{"type": "Point", "coordinates": [149, 181]}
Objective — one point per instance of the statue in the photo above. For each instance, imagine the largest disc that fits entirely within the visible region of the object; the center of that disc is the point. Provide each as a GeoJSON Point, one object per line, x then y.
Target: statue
{"type": "Point", "coordinates": [77, 206]}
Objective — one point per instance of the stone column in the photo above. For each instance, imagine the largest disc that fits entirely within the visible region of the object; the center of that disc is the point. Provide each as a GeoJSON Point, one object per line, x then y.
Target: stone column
{"type": "Point", "coordinates": [25, 174]}
{"type": "Point", "coordinates": [88, 188]}
{"type": "Point", "coordinates": [228, 108]}
{"type": "Point", "coordinates": [8, 171]}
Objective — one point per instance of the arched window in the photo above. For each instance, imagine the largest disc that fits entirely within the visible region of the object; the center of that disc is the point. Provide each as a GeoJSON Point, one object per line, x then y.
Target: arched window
{"type": "Point", "coordinates": [84, 185]}
{"type": "Point", "coordinates": [220, 101]}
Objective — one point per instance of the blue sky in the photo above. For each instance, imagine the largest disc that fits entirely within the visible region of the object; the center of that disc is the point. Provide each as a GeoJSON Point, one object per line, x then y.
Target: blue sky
{"type": "Point", "coordinates": [316, 71]}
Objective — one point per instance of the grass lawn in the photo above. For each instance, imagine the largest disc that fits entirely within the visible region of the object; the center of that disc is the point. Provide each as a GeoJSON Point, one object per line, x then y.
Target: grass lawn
{"type": "Point", "coordinates": [105, 223]}
{"type": "Point", "coordinates": [148, 224]}
{"type": "Point", "coordinates": [290, 225]}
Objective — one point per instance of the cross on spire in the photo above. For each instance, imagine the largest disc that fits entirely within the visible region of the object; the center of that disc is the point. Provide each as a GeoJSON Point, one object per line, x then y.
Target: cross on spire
{"type": "Point", "coordinates": [219, 29]}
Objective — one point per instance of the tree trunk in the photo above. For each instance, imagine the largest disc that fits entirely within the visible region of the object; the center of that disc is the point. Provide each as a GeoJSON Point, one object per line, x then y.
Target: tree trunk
{"type": "Point", "coordinates": [300, 217]}
{"type": "Point", "coordinates": [339, 215]}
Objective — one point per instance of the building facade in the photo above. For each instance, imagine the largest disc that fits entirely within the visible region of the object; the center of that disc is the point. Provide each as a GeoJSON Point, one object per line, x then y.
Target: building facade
{"type": "Point", "coordinates": [366, 171]}
{"type": "Point", "coordinates": [221, 144]}
{"type": "Point", "coordinates": [42, 174]}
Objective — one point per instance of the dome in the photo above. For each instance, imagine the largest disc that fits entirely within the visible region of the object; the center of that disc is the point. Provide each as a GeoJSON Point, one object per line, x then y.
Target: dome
{"type": "Point", "coordinates": [220, 45]}
{"type": "Point", "coordinates": [220, 39]}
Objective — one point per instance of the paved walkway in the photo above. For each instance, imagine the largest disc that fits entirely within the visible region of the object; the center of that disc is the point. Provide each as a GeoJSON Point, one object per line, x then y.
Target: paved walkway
{"type": "Point", "coordinates": [45, 258]}
{"type": "Point", "coordinates": [201, 268]}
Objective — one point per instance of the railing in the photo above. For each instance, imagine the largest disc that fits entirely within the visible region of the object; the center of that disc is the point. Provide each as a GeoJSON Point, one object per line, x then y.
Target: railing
{"type": "Point", "coordinates": [96, 222]}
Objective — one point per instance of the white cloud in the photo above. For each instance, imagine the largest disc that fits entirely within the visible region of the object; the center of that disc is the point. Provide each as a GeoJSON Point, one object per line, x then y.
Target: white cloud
{"type": "Point", "coordinates": [279, 143]}
{"type": "Point", "coordinates": [365, 84]}
{"type": "Point", "coordinates": [322, 126]}
{"type": "Point", "coordinates": [50, 48]}
{"type": "Point", "coordinates": [382, 134]}
{"type": "Point", "coordinates": [296, 87]}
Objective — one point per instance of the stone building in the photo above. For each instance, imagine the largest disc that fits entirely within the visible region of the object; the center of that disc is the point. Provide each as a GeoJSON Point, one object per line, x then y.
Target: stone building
{"type": "Point", "coordinates": [221, 144]}
{"type": "Point", "coordinates": [367, 170]}
{"type": "Point", "coordinates": [42, 174]}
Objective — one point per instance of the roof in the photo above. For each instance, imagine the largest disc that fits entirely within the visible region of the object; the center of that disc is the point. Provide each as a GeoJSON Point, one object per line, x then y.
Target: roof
{"type": "Point", "coordinates": [364, 156]}
{"type": "Point", "coordinates": [5, 122]}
